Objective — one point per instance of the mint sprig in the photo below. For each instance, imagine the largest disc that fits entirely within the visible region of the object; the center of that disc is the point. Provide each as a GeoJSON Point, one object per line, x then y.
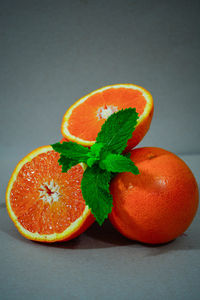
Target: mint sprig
{"type": "Point", "coordinates": [103, 159]}
{"type": "Point", "coordinates": [72, 150]}
{"type": "Point", "coordinates": [95, 191]}
{"type": "Point", "coordinates": [71, 154]}
{"type": "Point", "coordinates": [118, 163]}
{"type": "Point", "coordinates": [118, 129]}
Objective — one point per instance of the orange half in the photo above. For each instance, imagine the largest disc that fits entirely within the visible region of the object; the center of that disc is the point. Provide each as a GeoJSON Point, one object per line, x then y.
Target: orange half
{"type": "Point", "coordinates": [45, 204]}
{"type": "Point", "coordinates": [83, 120]}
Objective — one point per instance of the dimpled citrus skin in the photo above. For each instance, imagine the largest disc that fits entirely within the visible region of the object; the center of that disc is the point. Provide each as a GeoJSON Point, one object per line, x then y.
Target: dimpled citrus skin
{"type": "Point", "coordinates": [160, 203]}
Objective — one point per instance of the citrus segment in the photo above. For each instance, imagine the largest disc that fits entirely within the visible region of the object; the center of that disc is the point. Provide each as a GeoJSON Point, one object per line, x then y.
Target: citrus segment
{"type": "Point", "coordinates": [83, 120]}
{"type": "Point", "coordinates": [44, 203]}
{"type": "Point", "coordinates": [160, 203]}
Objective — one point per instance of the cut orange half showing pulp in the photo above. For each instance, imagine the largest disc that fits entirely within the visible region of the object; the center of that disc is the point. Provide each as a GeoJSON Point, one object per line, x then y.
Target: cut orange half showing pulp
{"type": "Point", "coordinates": [83, 120]}
{"type": "Point", "coordinates": [45, 204]}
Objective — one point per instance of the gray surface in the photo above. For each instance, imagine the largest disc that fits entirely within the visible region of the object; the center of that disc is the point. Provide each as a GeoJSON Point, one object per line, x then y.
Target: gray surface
{"type": "Point", "coordinates": [51, 54]}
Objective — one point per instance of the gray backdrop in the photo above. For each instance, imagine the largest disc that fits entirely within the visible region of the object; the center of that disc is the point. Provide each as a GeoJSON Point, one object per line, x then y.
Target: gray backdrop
{"type": "Point", "coordinates": [54, 52]}
{"type": "Point", "coordinates": [51, 54]}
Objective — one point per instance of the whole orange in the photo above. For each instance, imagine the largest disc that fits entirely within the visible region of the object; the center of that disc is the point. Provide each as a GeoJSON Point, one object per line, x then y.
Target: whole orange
{"type": "Point", "coordinates": [160, 203]}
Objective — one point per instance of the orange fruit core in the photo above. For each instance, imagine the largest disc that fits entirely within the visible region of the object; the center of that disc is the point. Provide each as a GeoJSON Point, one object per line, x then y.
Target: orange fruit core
{"type": "Point", "coordinates": [88, 117]}
{"type": "Point", "coordinates": [44, 199]}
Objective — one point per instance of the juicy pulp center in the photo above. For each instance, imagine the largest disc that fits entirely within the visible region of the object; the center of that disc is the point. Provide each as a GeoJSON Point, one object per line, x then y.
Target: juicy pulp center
{"type": "Point", "coordinates": [106, 111]}
{"type": "Point", "coordinates": [49, 192]}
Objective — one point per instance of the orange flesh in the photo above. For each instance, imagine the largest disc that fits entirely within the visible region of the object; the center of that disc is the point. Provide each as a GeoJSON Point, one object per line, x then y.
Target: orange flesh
{"type": "Point", "coordinates": [84, 121]}
{"type": "Point", "coordinates": [36, 214]}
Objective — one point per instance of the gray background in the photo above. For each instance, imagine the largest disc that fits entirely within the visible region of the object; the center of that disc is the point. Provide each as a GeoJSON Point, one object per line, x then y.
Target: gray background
{"type": "Point", "coordinates": [51, 54]}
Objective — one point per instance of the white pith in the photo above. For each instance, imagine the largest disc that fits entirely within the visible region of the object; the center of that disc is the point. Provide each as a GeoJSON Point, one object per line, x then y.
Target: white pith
{"type": "Point", "coordinates": [106, 111]}
{"type": "Point", "coordinates": [53, 188]}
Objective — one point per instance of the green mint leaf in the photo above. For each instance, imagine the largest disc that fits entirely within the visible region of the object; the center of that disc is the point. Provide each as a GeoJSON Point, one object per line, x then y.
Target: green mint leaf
{"type": "Point", "coordinates": [94, 154]}
{"type": "Point", "coordinates": [118, 129]}
{"type": "Point", "coordinates": [118, 163]}
{"type": "Point", "coordinates": [96, 149]}
{"type": "Point", "coordinates": [72, 151]}
{"type": "Point", "coordinates": [95, 191]}
{"type": "Point", "coordinates": [91, 161]}
{"type": "Point", "coordinates": [67, 163]}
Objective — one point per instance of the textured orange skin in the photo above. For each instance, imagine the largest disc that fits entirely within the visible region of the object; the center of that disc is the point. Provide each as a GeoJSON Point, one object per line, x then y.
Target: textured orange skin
{"type": "Point", "coordinates": [160, 203]}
